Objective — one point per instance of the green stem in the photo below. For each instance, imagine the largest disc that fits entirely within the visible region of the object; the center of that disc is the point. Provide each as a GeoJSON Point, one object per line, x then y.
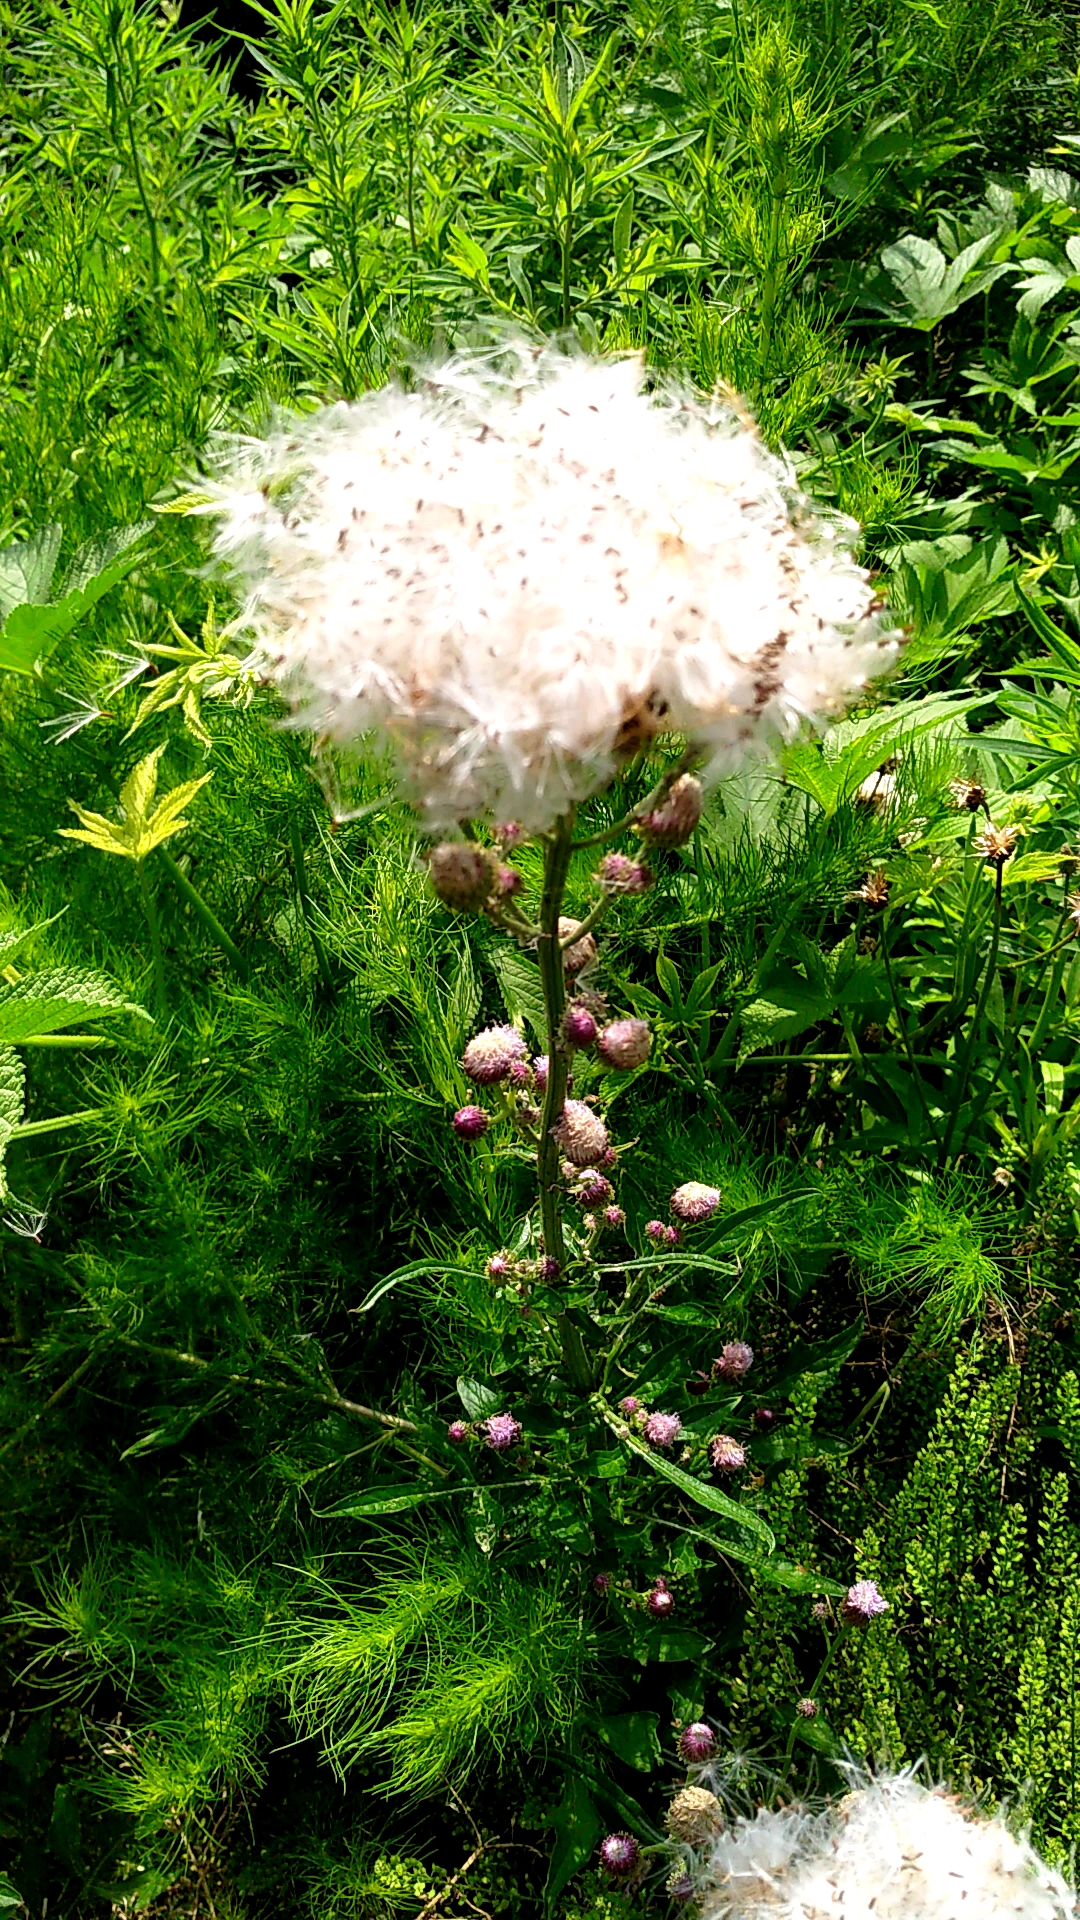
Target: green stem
{"type": "Point", "coordinates": [905, 1038]}
{"type": "Point", "coordinates": [154, 924]}
{"type": "Point", "coordinates": [701, 1043]}
{"type": "Point", "coordinates": [306, 908]}
{"type": "Point", "coordinates": [830, 1656]}
{"type": "Point", "coordinates": [206, 915]}
{"type": "Point", "coordinates": [976, 1019]}
{"type": "Point", "coordinates": [31, 1129]}
{"type": "Point", "coordinates": [549, 954]}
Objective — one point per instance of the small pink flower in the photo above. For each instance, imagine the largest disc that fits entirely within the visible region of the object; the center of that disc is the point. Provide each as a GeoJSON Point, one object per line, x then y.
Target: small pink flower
{"type": "Point", "coordinates": [626, 1044]}
{"type": "Point", "coordinates": [735, 1361]}
{"type": "Point", "coordinates": [492, 1054]}
{"type": "Point", "coordinates": [725, 1454]}
{"type": "Point", "coordinates": [672, 823]}
{"type": "Point", "coordinates": [602, 1583]}
{"type": "Point", "coordinates": [694, 1202]}
{"type": "Point", "coordinates": [508, 881]}
{"type": "Point", "coordinates": [662, 1429]}
{"type": "Point", "coordinates": [470, 1123]}
{"type": "Point", "coordinates": [614, 1217]}
{"type": "Point", "coordinates": [549, 1267]}
{"type": "Point", "coordinates": [697, 1742]}
{"type": "Point", "coordinates": [540, 1072]}
{"type": "Point", "coordinates": [672, 1236]}
{"type": "Point", "coordinates": [619, 1854]}
{"type": "Point", "coordinates": [592, 1188]}
{"type": "Point", "coordinates": [660, 1600]}
{"type": "Point", "coordinates": [457, 1430]}
{"type": "Point", "coordinates": [501, 1431]}
{"type": "Point", "coordinates": [499, 1267]}
{"type": "Point", "coordinates": [630, 1406]}
{"type": "Point", "coordinates": [617, 873]}
{"type": "Point", "coordinates": [862, 1603]}
{"type": "Point", "coordinates": [655, 1230]}
{"type": "Point", "coordinates": [579, 1027]}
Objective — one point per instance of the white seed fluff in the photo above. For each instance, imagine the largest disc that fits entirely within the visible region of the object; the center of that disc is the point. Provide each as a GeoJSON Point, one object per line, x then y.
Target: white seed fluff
{"type": "Point", "coordinates": [526, 567]}
{"type": "Point", "coordinates": [891, 1850]}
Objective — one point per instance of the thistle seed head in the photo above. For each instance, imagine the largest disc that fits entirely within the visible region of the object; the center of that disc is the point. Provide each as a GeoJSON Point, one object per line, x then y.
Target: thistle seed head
{"type": "Point", "coordinates": [995, 844]}
{"type": "Point", "coordinates": [674, 821]}
{"type": "Point", "coordinates": [492, 1054]}
{"type": "Point", "coordinates": [581, 953]}
{"type": "Point", "coordinates": [626, 1044]}
{"type": "Point", "coordinates": [461, 875]}
{"type": "Point", "coordinates": [725, 1454]}
{"type": "Point", "coordinates": [581, 1133]}
{"type": "Point", "coordinates": [874, 892]}
{"type": "Point", "coordinates": [694, 1202]}
{"type": "Point", "coordinates": [695, 1816]}
{"type": "Point", "coordinates": [969, 794]}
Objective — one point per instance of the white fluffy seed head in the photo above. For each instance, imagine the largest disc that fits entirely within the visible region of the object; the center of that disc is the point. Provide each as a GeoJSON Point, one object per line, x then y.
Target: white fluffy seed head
{"type": "Point", "coordinates": [522, 570]}
{"type": "Point", "coordinates": [891, 1850]}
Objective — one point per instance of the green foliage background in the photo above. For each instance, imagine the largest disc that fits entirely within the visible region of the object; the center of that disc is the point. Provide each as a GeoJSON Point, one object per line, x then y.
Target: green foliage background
{"type": "Point", "coordinates": [244, 1673]}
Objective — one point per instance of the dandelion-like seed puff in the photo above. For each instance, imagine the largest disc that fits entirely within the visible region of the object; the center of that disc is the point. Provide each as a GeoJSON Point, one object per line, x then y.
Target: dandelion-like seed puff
{"type": "Point", "coordinates": [526, 567]}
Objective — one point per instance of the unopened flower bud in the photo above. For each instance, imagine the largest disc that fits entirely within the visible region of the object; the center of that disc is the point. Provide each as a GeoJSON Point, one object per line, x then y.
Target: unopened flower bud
{"type": "Point", "coordinates": [588, 1221]}
{"type": "Point", "coordinates": [697, 1742]}
{"type": "Point", "coordinates": [660, 1601]}
{"type": "Point", "coordinates": [609, 1158]}
{"type": "Point", "coordinates": [492, 1054]}
{"type": "Point", "coordinates": [725, 1454]}
{"type": "Point", "coordinates": [508, 881]}
{"type": "Point", "coordinates": [619, 1854]}
{"type": "Point", "coordinates": [764, 1419]}
{"type": "Point", "coordinates": [510, 833]}
{"type": "Point", "coordinates": [655, 1230]}
{"type": "Point", "coordinates": [614, 1217]}
{"type": "Point", "coordinates": [460, 875]}
{"type": "Point", "coordinates": [549, 1267]}
{"type": "Point", "coordinates": [602, 1583]}
{"type": "Point", "coordinates": [694, 1202]}
{"type": "Point", "coordinates": [579, 1027]}
{"type": "Point", "coordinates": [630, 1406]}
{"type": "Point", "coordinates": [593, 1188]}
{"type": "Point", "coordinates": [735, 1361]}
{"type": "Point", "coordinates": [581, 953]}
{"type": "Point", "coordinates": [617, 873]}
{"type": "Point", "coordinates": [862, 1603]}
{"type": "Point", "coordinates": [694, 1816]}
{"type": "Point", "coordinates": [580, 1133]}
{"type": "Point", "coordinates": [540, 1072]}
{"type": "Point", "coordinates": [499, 1267]}
{"type": "Point", "coordinates": [672, 823]}
{"type": "Point", "coordinates": [819, 1610]}
{"type": "Point", "coordinates": [501, 1431]}
{"type": "Point", "coordinates": [662, 1429]}
{"type": "Point", "coordinates": [625, 1044]}
{"type": "Point", "coordinates": [807, 1709]}
{"type": "Point", "coordinates": [457, 1430]}
{"type": "Point", "coordinates": [679, 1885]}
{"type": "Point", "coordinates": [470, 1123]}
{"type": "Point", "coordinates": [672, 1236]}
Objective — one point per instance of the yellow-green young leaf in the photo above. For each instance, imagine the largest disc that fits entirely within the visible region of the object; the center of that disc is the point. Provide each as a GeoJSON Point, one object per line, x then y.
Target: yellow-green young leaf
{"type": "Point", "coordinates": [140, 787]}
{"type": "Point", "coordinates": [167, 819]}
{"type": "Point", "coordinates": [12, 1085]}
{"type": "Point", "coordinates": [138, 831]}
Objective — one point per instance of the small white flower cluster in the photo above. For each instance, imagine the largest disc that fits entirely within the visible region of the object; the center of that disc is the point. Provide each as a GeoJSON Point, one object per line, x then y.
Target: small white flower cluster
{"type": "Point", "coordinates": [526, 568]}
{"type": "Point", "coordinates": [891, 1850]}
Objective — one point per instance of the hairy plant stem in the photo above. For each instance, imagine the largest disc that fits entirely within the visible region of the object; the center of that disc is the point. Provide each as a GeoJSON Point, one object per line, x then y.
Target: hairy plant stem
{"type": "Point", "coordinates": [206, 915]}
{"type": "Point", "coordinates": [154, 925]}
{"type": "Point", "coordinates": [549, 953]}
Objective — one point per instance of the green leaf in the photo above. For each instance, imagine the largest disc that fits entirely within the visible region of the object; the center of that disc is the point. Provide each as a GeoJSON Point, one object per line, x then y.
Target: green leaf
{"type": "Point", "coordinates": [480, 1400]}
{"type": "Point", "coordinates": [45, 1002]}
{"type": "Point", "coordinates": [375, 1501]}
{"type": "Point", "coordinates": [668, 976]}
{"type": "Point", "coordinates": [9, 1893]}
{"type": "Point", "coordinates": [12, 1095]}
{"type": "Point", "coordinates": [702, 1493]}
{"type": "Point", "coordinates": [578, 1828]}
{"type": "Point", "coordinates": [31, 630]}
{"type": "Point", "coordinates": [633, 1737]}
{"type": "Point", "coordinates": [416, 1270]}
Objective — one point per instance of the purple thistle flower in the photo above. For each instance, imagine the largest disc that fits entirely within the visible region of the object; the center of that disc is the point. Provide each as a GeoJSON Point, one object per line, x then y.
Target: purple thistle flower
{"type": "Point", "coordinates": [807, 1709]}
{"type": "Point", "coordinates": [619, 1854]}
{"type": "Point", "coordinates": [693, 1202]}
{"type": "Point", "coordinates": [498, 1267]}
{"type": "Point", "coordinates": [614, 1217]}
{"type": "Point", "coordinates": [680, 1886]}
{"type": "Point", "coordinates": [764, 1419]}
{"type": "Point", "coordinates": [672, 1236]}
{"type": "Point", "coordinates": [501, 1431]}
{"type": "Point", "coordinates": [470, 1123]}
{"type": "Point", "coordinates": [660, 1601]}
{"type": "Point", "coordinates": [735, 1361]}
{"type": "Point", "coordinates": [655, 1230]}
{"type": "Point", "coordinates": [626, 1044]}
{"type": "Point", "coordinates": [592, 1188]}
{"type": "Point", "coordinates": [725, 1454]}
{"type": "Point", "coordinates": [862, 1603]}
{"type": "Point", "coordinates": [819, 1610]}
{"type": "Point", "coordinates": [457, 1430]}
{"type": "Point", "coordinates": [662, 1429]}
{"type": "Point", "coordinates": [609, 1158]}
{"type": "Point", "coordinates": [630, 1406]}
{"type": "Point", "coordinates": [492, 1054]}
{"type": "Point", "coordinates": [602, 1583]}
{"type": "Point", "coordinates": [520, 1074]}
{"type": "Point", "coordinates": [581, 1133]}
{"type": "Point", "coordinates": [697, 1742]}
{"type": "Point", "coordinates": [549, 1267]}
{"type": "Point", "coordinates": [579, 1027]}
{"type": "Point", "coordinates": [617, 873]}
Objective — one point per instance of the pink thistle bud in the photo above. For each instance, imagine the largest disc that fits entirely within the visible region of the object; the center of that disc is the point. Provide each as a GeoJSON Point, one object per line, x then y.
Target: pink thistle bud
{"type": "Point", "coordinates": [457, 1430]}
{"type": "Point", "coordinates": [735, 1361]}
{"type": "Point", "coordinates": [819, 1610]}
{"type": "Point", "coordinates": [510, 833]}
{"type": "Point", "coordinates": [580, 1133]}
{"type": "Point", "coordinates": [499, 1267]}
{"type": "Point", "coordinates": [592, 1188]}
{"type": "Point", "coordinates": [862, 1603]}
{"type": "Point", "coordinates": [617, 873]}
{"type": "Point", "coordinates": [697, 1742]}
{"type": "Point", "coordinates": [660, 1601]}
{"type": "Point", "coordinates": [672, 1236]}
{"type": "Point", "coordinates": [630, 1406]}
{"type": "Point", "coordinates": [672, 823]}
{"type": "Point", "coordinates": [501, 1431]}
{"type": "Point", "coordinates": [602, 1583]}
{"type": "Point", "coordinates": [549, 1267]}
{"type": "Point", "coordinates": [470, 1123]}
{"type": "Point", "coordinates": [492, 1054]}
{"type": "Point", "coordinates": [609, 1158]}
{"type": "Point", "coordinates": [540, 1072]}
{"type": "Point", "coordinates": [588, 1221]}
{"type": "Point", "coordinates": [680, 1886]}
{"type": "Point", "coordinates": [725, 1454]}
{"type": "Point", "coordinates": [581, 953]}
{"type": "Point", "coordinates": [807, 1709]}
{"type": "Point", "coordinates": [508, 881]}
{"type": "Point", "coordinates": [693, 1202]}
{"type": "Point", "coordinates": [520, 1074]}
{"type": "Point", "coordinates": [626, 1044]}
{"type": "Point", "coordinates": [655, 1230]}
{"type": "Point", "coordinates": [662, 1429]}
{"type": "Point", "coordinates": [764, 1419]}
{"type": "Point", "coordinates": [579, 1027]}
{"type": "Point", "coordinates": [614, 1217]}
{"type": "Point", "coordinates": [460, 875]}
{"type": "Point", "coordinates": [619, 1854]}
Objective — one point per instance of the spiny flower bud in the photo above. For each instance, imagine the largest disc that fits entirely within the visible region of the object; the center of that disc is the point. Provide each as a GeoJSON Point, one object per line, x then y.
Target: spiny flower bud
{"type": "Point", "coordinates": [592, 1188]}
{"type": "Point", "coordinates": [581, 953]}
{"type": "Point", "coordinates": [510, 833]}
{"type": "Point", "coordinates": [697, 1742]}
{"type": "Point", "coordinates": [672, 823]}
{"type": "Point", "coordinates": [626, 1044]}
{"type": "Point", "coordinates": [457, 1430]}
{"type": "Point", "coordinates": [580, 1133]}
{"type": "Point", "coordinates": [819, 1610]}
{"type": "Point", "coordinates": [499, 1267]}
{"type": "Point", "coordinates": [460, 874]}
{"type": "Point", "coordinates": [508, 881]}
{"type": "Point", "coordinates": [579, 1027]}
{"type": "Point", "coordinates": [655, 1230]}
{"type": "Point", "coordinates": [614, 1217]}
{"type": "Point", "coordinates": [693, 1202]}
{"type": "Point", "coordinates": [735, 1361]}
{"type": "Point", "coordinates": [602, 1583]}
{"type": "Point", "coordinates": [588, 1221]}
{"type": "Point", "coordinates": [619, 1854]}
{"type": "Point", "coordinates": [492, 1054]}
{"type": "Point", "coordinates": [694, 1816]}
{"type": "Point", "coordinates": [807, 1709]}
{"type": "Point", "coordinates": [470, 1123]}
{"type": "Point", "coordinates": [617, 873]}
{"type": "Point", "coordinates": [679, 1885]}
{"type": "Point", "coordinates": [662, 1429]}
{"type": "Point", "coordinates": [540, 1072]}
{"type": "Point", "coordinates": [672, 1236]}
{"type": "Point", "coordinates": [520, 1074]}
{"type": "Point", "coordinates": [549, 1267]}
{"type": "Point", "coordinates": [501, 1431]}
{"type": "Point", "coordinates": [862, 1603]}
{"type": "Point", "coordinates": [660, 1601]}
{"type": "Point", "coordinates": [725, 1454]}
{"type": "Point", "coordinates": [764, 1419]}
{"type": "Point", "coordinates": [630, 1406]}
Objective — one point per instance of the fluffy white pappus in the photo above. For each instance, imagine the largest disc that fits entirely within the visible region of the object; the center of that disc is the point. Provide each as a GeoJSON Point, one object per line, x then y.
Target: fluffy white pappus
{"type": "Point", "coordinates": [893, 1849]}
{"type": "Point", "coordinates": [528, 566]}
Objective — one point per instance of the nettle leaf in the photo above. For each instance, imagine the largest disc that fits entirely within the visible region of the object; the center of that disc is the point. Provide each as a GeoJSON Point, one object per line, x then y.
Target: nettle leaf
{"type": "Point", "coordinates": [578, 1828]}
{"type": "Point", "coordinates": [12, 1096]}
{"type": "Point", "coordinates": [478, 1399]}
{"type": "Point", "coordinates": [633, 1737]}
{"type": "Point", "coordinates": [46, 1002]}
{"type": "Point", "coordinates": [33, 628]}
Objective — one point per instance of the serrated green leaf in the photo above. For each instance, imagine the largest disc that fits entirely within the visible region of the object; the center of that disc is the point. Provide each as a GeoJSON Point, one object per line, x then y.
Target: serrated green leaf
{"type": "Point", "coordinates": [702, 1493]}
{"type": "Point", "coordinates": [45, 1002]}
{"type": "Point", "coordinates": [12, 1095]}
